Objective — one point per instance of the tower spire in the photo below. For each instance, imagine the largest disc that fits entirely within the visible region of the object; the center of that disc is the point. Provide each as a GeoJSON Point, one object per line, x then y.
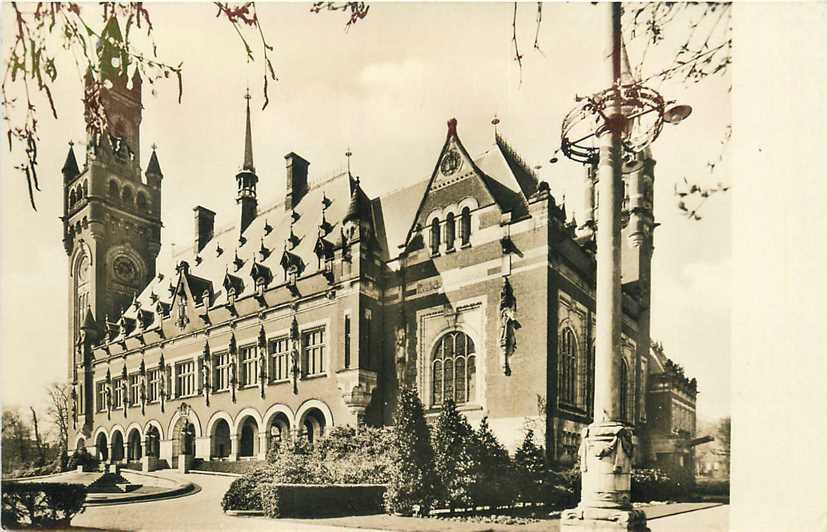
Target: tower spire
{"type": "Point", "coordinates": [248, 139]}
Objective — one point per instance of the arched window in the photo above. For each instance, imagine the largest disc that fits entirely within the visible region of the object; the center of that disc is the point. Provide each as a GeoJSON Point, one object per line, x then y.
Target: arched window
{"type": "Point", "coordinates": [72, 198]}
{"type": "Point", "coordinates": [450, 230]}
{"type": "Point", "coordinates": [568, 366]}
{"type": "Point", "coordinates": [85, 188]}
{"type": "Point", "coordinates": [142, 204]}
{"type": "Point", "coordinates": [126, 196]}
{"type": "Point", "coordinates": [465, 226]}
{"type": "Point", "coordinates": [435, 236]}
{"type": "Point", "coordinates": [624, 390]}
{"type": "Point", "coordinates": [113, 190]}
{"type": "Point", "coordinates": [454, 369]}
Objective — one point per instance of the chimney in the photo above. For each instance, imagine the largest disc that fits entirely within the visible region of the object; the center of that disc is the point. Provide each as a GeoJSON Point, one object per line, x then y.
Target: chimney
{"type": "Point", "coordinates": [296, 180]}
{"type": "Point", "coordinates": [204, 227]}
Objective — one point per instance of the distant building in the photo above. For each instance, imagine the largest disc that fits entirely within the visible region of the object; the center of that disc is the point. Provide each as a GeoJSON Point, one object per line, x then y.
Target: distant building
{"type": "Point", "coordinates": [671, 415]}
{"type": "Point", "coordinates": [472, 285]}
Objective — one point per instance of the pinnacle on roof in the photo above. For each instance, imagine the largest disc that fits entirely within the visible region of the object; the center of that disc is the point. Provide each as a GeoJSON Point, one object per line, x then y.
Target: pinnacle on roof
{"type": "Point", "coordinates": [89, 320]}
{"type": "Point", "coordinates": [153, 168]}
{"type": "Point", "coordinates": [359, 205]}
{"type": "Point", "coordinates": [626, 75]}
{"type": "Point", "coordinates": [70, 167]}
{"type": "Point", "coordinates": [248, 140]}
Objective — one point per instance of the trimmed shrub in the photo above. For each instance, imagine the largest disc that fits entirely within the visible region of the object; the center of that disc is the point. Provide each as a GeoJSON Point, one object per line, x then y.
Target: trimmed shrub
{"type": "Point", "coordinates": [657, 485]}
{"type": "Point", "coordinates": [41, 504]}
{"type": "Point", "coordinates": [243, 493]}
{"type": "Point", "coordinates": [410, 472]}
{"type": "Point", "coordinates": [356, 458]}
{"type": "Point", "coordinates": [455, 459]}
{"type": "Point", "coordinates": [302, 500]}
{"type": "Point", "coordinates": [82, 458]}
{"type": "Point", "coordinates": [239, 468]}
{"type": "Point", "coordinates": [712, 487]}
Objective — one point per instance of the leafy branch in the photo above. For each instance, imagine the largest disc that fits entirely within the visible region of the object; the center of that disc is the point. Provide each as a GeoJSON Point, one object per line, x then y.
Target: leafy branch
{"type": "Point", "coordinates": [357, 10]}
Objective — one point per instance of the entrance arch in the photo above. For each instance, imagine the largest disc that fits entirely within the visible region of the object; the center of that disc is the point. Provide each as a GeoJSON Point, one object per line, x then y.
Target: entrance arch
{"type": "Point", "coordinates": [117, 446]}
{"type": "Point", "coordinates": [278, 430]}
{"type": "Point", "coordinates": [220, 444]}
{"type": "Point", "coordinates": [313, 425]}
{"type": "Point", "coordinates": [133, 445]}
{"type": "Point", "coordinates": [102, 447]}
{"type": "Point", "coordinates": [152, 447]}
{"type": "Point", "coordinates": [248, 441]}
{"type": "Point", "coordinates": [183, 438]}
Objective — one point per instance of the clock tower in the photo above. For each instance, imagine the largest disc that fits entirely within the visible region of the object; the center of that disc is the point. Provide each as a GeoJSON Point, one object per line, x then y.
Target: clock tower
{"type": "Point", "coordinates": [112, 212]}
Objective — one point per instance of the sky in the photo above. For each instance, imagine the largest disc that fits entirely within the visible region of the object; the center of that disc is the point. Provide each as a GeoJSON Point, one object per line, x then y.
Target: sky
{"type": "Point", "coordinates": [385, 89]}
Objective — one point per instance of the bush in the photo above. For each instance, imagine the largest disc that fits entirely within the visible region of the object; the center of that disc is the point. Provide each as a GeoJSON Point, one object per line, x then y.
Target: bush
{"type": "Point", "coordinates": [243, 493]}
{"type": "Point", "coordinates": [302, 500]}
{"type": "Point", "coordinates": [712, 487]}
{"type": "Point", "coordinates": [455, 459]}
{"type": "Point", "coordinates": [356, 458]}
{"type": "Point", "coordinates": [82, 458]}
{"type": "Point", "coordinates": [656, 485]}
{"type": "Point", "coordinates": [410, 473]}
{"type": "Point", "coordinates": [37, 471]}
{"type": "Point", "coordinates": [531, 469]}
{"type": "Point", "coordinates": [41, 504]}
{"type": "Point", "coordinates": [495, 479]}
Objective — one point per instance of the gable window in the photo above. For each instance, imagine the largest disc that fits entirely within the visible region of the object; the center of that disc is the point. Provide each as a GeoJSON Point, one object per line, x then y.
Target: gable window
{"type": "Point", "coordinates": [249, 365]}
{"type": "Point", "coordinates": [153, 378]}
{"type": "Point", "coordinates": [568, 366]}
{"type": "Point", "coordinates": [450, 231]}
{"type": "Point", "coordinates": [453, 369]}
{"type": "Point", "coordinates": [465, 226]}
{"type": "Point", "coordinates": [185, 378]}
{"type": "Point", "coordinates": [313, 352]}
{"type": "Point", "coordinates": [435, 236]}
{"type": "Point", "coordinates": [279, 359]}
{"type": "Point", "coordinates": [221, 371]}
{"type": "Point", "coordinates": [134, 399]}
{"type": "Point", "coordinates": [100, 396]}
{"type": "Point", "coordinates": [624, 390]}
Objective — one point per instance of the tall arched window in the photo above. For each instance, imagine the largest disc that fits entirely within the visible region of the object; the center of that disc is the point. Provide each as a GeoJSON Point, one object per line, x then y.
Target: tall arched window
{"type": "Point", "coordinates": [435, 236]}
{"type": "Point", "coordinates": [81, 290]}
{"type": "Point", "coordinates": [142, 203]}
{"type": "Point", "coordinates": [113, 190]}
{"type": "Point", "coordinates": [450, 231]}
{"type": "Point", "coordinates": [568, 366]}
{"type": "Point", "coordinates": [454, 369]}
{"type": "Point", "coordinates": [126, 196]}
{"type": "Point", "coordinates": [624, 390]}
{"type": "Point", "coordinates": [465, 226]}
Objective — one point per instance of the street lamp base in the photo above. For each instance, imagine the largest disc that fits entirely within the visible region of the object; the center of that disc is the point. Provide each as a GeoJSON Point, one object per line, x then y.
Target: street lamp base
{"type": "Point", "coordinates": [603, 519]}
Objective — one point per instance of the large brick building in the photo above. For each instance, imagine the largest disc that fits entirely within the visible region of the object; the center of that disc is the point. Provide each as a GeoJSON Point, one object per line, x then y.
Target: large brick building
{"type": "Point", "coordinates": [471, 284]}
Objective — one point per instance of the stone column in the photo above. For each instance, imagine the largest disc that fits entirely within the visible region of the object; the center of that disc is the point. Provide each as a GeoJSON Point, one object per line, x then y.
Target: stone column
{"type": "Point", "coordinates": [262, 445]}
{"type": "Point", "coordinates": [233, 448]}
{"type": "Point", "coordinates": [606, 448]}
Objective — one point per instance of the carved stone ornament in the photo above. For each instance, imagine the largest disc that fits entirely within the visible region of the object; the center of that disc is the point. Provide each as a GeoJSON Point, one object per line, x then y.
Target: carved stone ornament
{"type": "Point", "coordinates": [401, 352]}
{"type": "Point", "coordinates": [508, 324]}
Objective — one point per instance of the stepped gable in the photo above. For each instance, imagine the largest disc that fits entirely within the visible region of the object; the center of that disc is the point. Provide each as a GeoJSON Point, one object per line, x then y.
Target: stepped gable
{"type": "Point", "coordinates": [213, 266]}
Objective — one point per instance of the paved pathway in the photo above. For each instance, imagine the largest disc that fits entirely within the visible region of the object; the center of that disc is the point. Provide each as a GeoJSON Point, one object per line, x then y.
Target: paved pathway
{"type": "Point", "coordinates": [201, 511]}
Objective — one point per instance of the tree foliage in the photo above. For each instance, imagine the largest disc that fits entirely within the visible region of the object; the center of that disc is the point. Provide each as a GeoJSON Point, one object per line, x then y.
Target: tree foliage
{"type": "Point", "coordinates": [58, 411]}
{"type": "Point", "coordinates": [411, 482]}
{"type": "Point", "coordinates": [455, 459]}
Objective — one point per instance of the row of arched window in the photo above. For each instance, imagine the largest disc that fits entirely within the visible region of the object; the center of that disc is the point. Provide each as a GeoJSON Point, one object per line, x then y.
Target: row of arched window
{"type": "Point", "coordinates": [125, 196]}
{"type": "Point", "coordinates": [567, 381]}
{"type": "Point", "coordinates": [450, 231]}
{"type": "Point", "coordinates": [78, 193]}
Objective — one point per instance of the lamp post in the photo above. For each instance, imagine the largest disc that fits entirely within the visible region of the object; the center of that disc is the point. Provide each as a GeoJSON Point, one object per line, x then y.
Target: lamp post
{"type": "Point", "coordinates": [601, 131]}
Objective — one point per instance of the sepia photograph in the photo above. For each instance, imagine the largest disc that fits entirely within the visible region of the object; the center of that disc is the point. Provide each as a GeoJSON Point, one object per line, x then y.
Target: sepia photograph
{"type": "Point", "coordinates": [355, 265]}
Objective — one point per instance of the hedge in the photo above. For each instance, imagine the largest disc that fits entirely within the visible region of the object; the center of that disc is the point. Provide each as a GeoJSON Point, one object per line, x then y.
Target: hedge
{"type": "Point", "coordinates": [243, 492]}
{"type": "Point", "coordinates": [308, 500]}
{"type": "Point", "coordinates": [41, 504]}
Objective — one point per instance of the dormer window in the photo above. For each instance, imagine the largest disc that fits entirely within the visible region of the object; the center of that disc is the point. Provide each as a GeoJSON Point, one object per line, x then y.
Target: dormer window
{"type": "Point", "coordinates": [261, 284]}
{"type": "Point", "coordinates": [205, 298]}
{"type": "Point", "coordinates": [292, 275]}
{"type": "Point", "coordinates": [231, 296]}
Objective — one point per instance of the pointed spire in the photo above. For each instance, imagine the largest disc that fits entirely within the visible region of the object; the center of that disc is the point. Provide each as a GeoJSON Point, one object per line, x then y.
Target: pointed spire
{"type": "Point", "coordinates": [70, 167]}
{"type": "Point", "coordinates": [626, 75]}
{"type": "Point", "coordinates": [153, 168]}
{"type": "Point", "coordinates": [248, 139]}
{"type": "Point", "coordinates": [89, 320]}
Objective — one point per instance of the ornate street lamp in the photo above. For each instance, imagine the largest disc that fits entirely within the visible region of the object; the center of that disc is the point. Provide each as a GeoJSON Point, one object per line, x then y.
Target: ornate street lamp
{"type": "Point", "coordinates": [604, 131]}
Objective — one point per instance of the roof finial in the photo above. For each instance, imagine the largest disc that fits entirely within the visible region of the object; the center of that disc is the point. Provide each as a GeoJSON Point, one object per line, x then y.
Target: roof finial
{"type": "Point", "coordinates": [154, 146]}
{"type": "Point", "coordinates": [71, 143]}
{"type": "Point", "coordinates": [248, 139]}
{"type": "Point", "coordinates": [348, 153]}
{"type": "Point", "coordinates": [494, 123]}
{"type": "Point", "coordinates": [452, 127]}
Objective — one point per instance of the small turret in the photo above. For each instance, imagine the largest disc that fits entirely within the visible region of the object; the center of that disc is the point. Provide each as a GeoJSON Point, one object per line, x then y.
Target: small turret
{"type": "Point", "coordinates": [247, 178]}
{"type": "Point", "coordinates": [153, 173]}
{"type": "Point", "coordinates": [70, 168]}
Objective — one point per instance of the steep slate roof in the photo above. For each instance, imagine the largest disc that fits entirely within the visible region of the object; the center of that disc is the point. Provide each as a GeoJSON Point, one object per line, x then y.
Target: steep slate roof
{"type": "Point", "coordinates": [229, 259]}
